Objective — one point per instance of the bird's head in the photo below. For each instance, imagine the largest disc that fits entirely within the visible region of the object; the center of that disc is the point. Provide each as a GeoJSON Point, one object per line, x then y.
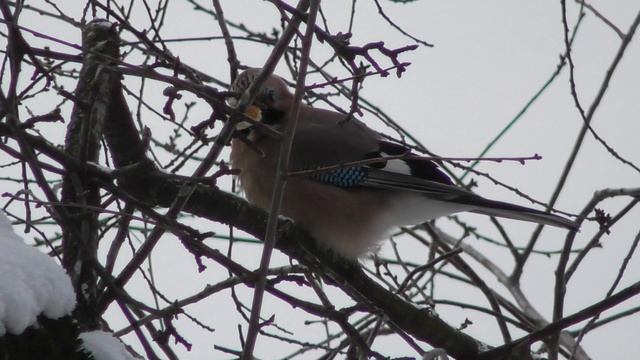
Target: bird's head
{"type": "Point", "coordinates": [272, 101]}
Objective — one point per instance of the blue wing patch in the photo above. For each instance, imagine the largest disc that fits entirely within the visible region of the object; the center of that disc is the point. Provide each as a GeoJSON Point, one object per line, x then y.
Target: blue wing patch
{"type": "Point", "coordinates": [345, 177]}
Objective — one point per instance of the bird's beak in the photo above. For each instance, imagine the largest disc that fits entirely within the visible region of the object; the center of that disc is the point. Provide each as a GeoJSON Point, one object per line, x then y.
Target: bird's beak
{"type": "Point", "coordinates": [252, 112]}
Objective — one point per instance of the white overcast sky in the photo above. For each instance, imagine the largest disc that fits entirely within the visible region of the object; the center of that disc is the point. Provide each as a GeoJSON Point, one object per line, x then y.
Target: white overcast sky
{"type": "Point", "coordinates": [489, 59]}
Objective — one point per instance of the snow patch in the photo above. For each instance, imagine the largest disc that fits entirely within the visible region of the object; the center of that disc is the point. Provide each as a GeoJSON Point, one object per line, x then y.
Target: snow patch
{"type": "Point", "coordinates": [103, 23]}
{"type": "Point", "coordinates": [103, 346]}
{"type": "Point", "coordinates": [31, 283]}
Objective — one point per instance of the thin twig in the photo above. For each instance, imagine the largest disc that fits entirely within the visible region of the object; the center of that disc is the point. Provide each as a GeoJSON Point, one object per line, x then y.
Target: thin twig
{"type": "Point", "coordinates": [580, 138]}
{"type": "Point", "coordinates": [623, 267]}
{"type": "Point", "coordinates": [601, 17]}
{"type": "Point", "coordinates": [407, 156]}
{"type": "Point", "coordinates": [565, 322]}
{"type": "Point", "coordinates": [283, 165]}
{"type": "Point", "coordinates": [232, 58]}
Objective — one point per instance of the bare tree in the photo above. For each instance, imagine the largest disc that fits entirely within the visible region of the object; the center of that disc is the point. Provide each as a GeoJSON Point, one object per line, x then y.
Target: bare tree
{"type": "Point", "coordinates": [120, 184]}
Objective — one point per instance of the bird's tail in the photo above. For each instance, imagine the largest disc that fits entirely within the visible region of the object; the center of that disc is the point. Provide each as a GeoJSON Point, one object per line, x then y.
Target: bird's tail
{"type": "Point", "coordinates": [517, 212]}
{"type": "Point", "coordinates": [453, 194]}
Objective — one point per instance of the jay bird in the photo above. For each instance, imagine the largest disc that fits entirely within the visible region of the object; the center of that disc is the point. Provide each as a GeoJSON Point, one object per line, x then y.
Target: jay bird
{"type": "Point", "coordinates": [349, 209]}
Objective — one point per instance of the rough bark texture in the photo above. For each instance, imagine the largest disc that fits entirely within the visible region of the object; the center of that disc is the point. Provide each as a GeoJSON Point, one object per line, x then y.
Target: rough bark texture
{"type": "Point", "coordinates": [92, 98]}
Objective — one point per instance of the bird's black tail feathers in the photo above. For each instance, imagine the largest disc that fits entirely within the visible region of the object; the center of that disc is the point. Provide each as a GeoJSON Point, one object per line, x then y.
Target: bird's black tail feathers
{"type": "Point", "coordinates": [517, 212]}
{"type": "Point", "coordinates": [454, 194]}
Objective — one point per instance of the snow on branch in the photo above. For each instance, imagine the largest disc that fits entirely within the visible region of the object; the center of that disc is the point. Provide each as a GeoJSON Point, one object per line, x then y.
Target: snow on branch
{"type": "Point", "coordinates": [31, 284]}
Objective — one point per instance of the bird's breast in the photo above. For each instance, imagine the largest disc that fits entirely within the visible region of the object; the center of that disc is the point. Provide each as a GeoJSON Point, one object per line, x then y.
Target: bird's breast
{"type": "Point", "coordinates": [257, 173]}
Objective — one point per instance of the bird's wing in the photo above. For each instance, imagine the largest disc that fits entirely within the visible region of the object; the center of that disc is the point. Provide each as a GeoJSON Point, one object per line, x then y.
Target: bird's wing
{"type": "Point", "coordinates": [326, 138]}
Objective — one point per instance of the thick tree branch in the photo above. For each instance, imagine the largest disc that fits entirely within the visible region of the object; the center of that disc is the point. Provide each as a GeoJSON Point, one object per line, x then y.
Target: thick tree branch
{"type": "Point", "coordinates": [93, 100]}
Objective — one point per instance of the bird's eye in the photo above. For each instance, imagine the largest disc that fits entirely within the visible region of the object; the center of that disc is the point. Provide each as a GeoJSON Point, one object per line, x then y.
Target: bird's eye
{"type": "Point", "coordinates": [269, 95]}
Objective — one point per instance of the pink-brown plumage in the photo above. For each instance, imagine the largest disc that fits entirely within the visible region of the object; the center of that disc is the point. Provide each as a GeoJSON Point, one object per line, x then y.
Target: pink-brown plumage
{"type": "Point", "coordinates": [346, 216]}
